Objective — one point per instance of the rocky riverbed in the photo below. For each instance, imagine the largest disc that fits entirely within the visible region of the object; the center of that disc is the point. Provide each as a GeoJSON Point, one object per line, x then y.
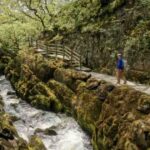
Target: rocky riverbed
{"type": "Point", "coordinates": [54, 130]}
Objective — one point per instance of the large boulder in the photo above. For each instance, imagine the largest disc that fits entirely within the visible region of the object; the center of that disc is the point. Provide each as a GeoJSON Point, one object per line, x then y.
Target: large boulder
{"type": "Point", "coordinates": [64, 94]}
{"type": "Point", "coordinates": [36, 143]}
{"type": "Point", "coordinates": [69, 77]}
{"type": "Point", "coordinates": [43, 97]}
{"type": "Point", "coordinates": [9, 139]}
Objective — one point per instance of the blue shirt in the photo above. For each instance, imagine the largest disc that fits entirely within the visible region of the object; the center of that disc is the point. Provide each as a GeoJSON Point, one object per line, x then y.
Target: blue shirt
{"type": "Point", "coordinates": [120, 64]}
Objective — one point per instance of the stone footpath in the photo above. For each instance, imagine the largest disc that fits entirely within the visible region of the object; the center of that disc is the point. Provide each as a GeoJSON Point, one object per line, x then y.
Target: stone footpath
{"type": "Point", "coordinates": [112, 79]}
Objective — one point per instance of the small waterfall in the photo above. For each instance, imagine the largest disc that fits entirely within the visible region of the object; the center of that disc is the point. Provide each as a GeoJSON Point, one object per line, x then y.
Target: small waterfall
{"type": "Point", "coordinates": [57, 131]}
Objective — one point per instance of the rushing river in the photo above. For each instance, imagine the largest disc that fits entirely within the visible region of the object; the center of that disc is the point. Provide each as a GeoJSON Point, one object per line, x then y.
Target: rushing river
{"type": "Point", "coordinates": [69, 135]}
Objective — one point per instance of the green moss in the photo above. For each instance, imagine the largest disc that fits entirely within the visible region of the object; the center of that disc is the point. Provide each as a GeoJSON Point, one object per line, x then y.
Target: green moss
{"type": "Point", "coordinates": [64, 76]}
{"type": "Point", "coordinates": [69, 77]}
{"type": "Point", "coordinates": [115, 4]}
{"type": "Point", "coordinates": [2, 67]}
{"type": "Point", "coordinates": [5, 123]}
{"type": "Point", "coordinates": [36, 144]}
{"type": "Point", "coordinates": [62, 92]}
{"type": "Point", "coordinates": [41, 101]}
{"type": "Point", "coordinates": [46, 103]}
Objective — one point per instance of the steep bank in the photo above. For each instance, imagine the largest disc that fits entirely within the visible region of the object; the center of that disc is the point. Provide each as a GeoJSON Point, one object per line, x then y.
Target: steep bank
{"type": "Point", "coordinates": [115, 117]}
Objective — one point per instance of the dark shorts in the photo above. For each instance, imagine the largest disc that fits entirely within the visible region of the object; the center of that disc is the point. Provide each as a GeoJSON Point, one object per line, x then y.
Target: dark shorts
{"type": "Point", "coordinates": [120, 69]}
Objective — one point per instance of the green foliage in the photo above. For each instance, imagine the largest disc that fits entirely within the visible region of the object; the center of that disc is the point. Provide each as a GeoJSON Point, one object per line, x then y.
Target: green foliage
{"type": "Point", "coordinates": [16, 35]}
{"type": "Point", "coordinates": [76, 14]}
{"type": "Point", "coordinates": [22, 21]}
{"type": "Point", "coordinates": [145, 3]}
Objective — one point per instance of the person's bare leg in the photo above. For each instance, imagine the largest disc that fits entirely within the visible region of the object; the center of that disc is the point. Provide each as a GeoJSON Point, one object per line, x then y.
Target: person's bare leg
{"type": "Point", "coordinates": [118, 76]}
{"type": "Point", "coordinates": [124, 77]}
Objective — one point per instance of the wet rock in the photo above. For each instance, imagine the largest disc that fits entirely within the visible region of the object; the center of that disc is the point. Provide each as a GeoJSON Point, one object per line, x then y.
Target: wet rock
{"type": "Point", "coordinates": [49, 131]}
{"type": "Point", "coordinates": [14, 105]}
{"type": "Point", "coordinates": [145, 109]}
{"type": "Point", "coordinates": [38, 130]}
{"type": "Point", "coordinates": [22, 144]}
{"type": "Point", "coordinates": [9, 139]}
{"type": "Point", "coordinates": [14, 118]}
{"type": "Point", "coordinates": [1, 105]}
{"type": "Point", "coordinates": [11, 93]}
{"type": "Point", "coordinates": [1, 101]}
{"type": "Point", "coordinates": [6, 145]}
{"type": "Point", "coordinates": [6, 134]}
{"type": "Point", "coordinates": [110, 88]}
{"type": "Point", "coordinates": [36, 143]}
{"type": "Point", "coordinates": [92, 84]}
{"type": "Point", "coordinates": [102, 96]}
{"type": "Point", "coordinates": [1, 109]}
{"type": "Point", "coordinates": [13, 97]}
{"type": "Point", "coordinates": [2, 147]}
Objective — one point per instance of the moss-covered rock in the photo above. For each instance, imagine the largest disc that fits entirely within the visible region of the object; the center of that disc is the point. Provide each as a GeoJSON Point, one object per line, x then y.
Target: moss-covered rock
{"type": "Point", "coordinates": [139, 76]}
{"type": "Point", "coordinates": [49, 131]}
{"type": "Point", "coordinates": [4, 60]}
{"type": "Point", "coordinates": [64, 94]}
{"type": "Point", "coordinates": [9, 139]}
{"type": "Point", "coordinates": [69, 77]}
{"type": "Point", "coordinates": [36, 143]}
{"type": "Point", "coordinates": [43, 97]}
{"type": "Point", "coordinates": [117, 119]}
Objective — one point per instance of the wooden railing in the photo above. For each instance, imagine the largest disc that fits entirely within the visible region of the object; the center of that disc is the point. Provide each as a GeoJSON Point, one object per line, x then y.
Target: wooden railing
{"type": "Point", "coordinates": [60, 51]}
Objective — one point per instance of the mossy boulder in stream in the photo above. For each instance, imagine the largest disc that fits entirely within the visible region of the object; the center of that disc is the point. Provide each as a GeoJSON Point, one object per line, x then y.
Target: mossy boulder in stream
{"type": "Point", "coordinates": [9, 139]}
{"type": "Point", "coordinates": [4, 60]}
{"type": "Point", "coordinates": [44, 97]}
{"type": "Point", "coordinates": [36, 143]}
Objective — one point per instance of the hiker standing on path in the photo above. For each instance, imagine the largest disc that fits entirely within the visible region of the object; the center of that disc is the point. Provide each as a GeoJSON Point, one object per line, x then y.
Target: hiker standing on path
{"type": "Point", "coordinates": [120, 69]}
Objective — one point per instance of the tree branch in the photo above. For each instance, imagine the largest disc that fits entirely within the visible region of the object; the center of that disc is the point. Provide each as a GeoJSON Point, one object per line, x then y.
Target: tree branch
{"type": "Point", "coordinates": [35, 13]}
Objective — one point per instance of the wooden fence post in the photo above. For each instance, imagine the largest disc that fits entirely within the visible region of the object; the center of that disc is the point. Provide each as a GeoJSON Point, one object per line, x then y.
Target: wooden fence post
{"type": "Point", "coordinates": [37, 46]}
{"type": "Point", "coordinates": [80, 60]}
{"type": "Point", "coordinates": [47, 49]}
{"type": "Point", "coordinates": [56, 51]}
{"type": "Point", "coordinates": [71, 57]}
{"type": "Point", "coordinates": [63, 52]}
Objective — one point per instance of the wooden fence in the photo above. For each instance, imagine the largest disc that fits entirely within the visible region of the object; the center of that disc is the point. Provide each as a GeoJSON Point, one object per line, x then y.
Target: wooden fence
{"type": "Point", "coordinates": [61, 52]}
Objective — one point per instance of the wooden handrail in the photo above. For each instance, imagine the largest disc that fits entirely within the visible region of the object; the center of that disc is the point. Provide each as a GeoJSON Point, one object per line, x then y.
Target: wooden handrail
{"type": "Point", "coordinates": [61, 50]}
{"type": "Point", "coordinates": [61, 46]}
